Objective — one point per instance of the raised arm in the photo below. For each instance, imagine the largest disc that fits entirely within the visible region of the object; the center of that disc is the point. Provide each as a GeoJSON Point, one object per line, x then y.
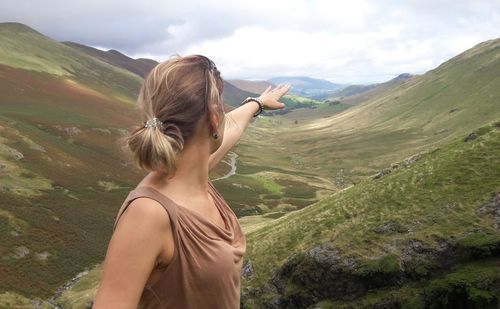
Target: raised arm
{"type": "Point", "coordinates": [242, 116]}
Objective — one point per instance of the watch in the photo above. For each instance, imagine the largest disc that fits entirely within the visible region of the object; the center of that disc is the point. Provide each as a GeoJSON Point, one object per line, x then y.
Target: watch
{"type": "Point", "coordinates": [259, 101]}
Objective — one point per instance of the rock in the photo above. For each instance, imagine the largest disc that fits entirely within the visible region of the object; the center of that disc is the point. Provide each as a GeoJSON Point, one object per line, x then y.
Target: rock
{"type": "Point", "coordinates": [15, 154]}
{"type": "Point", "coordinates": [101, 130]}
{"type": "Point", "coordinates": [492, 208]}
{"type": "Point", "coordinates": [394, 166]}
{"type": "Point", "coordinates": [411, 160]}
{"type": "Point", "coordinates": [37, 147]}
{"type": "Point", "coordinates": [68, 130]}
{"type": "Point", "coordinates": [470, 137]}
{"type": "Point", "coordinates": [20, 252]}
{"type": "Point", "coordinates": [42, 255]}
{"type": "Point", "coordinates": [382, 173]}
{"type": "Point", "coordinates": [319, 273]}
{"type": "Point", "coordinates": [390, 227]}
{"type": "Point", "coordinates": [72, 130]}
{"type": "Point", "coordinates": [325, 272]}
{"type": "Point", "coordinates": [247, 270]}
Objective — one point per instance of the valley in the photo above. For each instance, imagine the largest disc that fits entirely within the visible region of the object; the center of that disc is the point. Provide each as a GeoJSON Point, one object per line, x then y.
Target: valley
{"type": "Point", "coordinates": [387, 197]}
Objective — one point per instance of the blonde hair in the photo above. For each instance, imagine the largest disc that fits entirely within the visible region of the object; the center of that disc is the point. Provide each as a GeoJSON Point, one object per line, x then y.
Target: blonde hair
{"type": "Point", "coordinates": [179, 92]}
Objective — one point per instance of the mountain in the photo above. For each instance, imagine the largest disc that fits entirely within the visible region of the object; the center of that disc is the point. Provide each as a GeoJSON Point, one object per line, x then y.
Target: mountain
{"type": "Point", "coordinates": [393, 197]}
{"type": "Point", "coordinates": [62, 113]}
{"type": "Point", "coordinates": [27, 49]}
{"type": "Point", "coordinates": [139, 66]}
{"type": "Point", "coordinates": [232, 95]}
{"type": "Point", "coordinates": [250, 85]}
{"type": "Point", "coordinates": [358, 89]}
{"type": "Point", "coordinates": [413, 216]}
{"type": "Point", "coordinates": [450, 100]}
{"type": "Point", "coordinates": [414, 223]}
{"type": "Point", "coordinates": [307, 86]}
{"type": "Point", "coordinates": [63, 116]}
{"type": "Point", "coordinates": [64, 109]}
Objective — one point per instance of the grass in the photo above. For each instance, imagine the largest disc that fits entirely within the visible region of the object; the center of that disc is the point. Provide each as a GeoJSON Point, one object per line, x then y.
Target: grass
{"type": "Point", "coordinates": [23, 47]}
{"type": "Point", "coordinates": [78, 182]}
{"type": "Point", "coordinates": [417, 115]}
{"type": "Point", "coordinates": [475, 283]}
{"type": "Point", "coordinates": [83, 291]}
{"type": "Point", "coordinates": [269, 184]}
{"type": "Point", "coordinates": [435, 198]}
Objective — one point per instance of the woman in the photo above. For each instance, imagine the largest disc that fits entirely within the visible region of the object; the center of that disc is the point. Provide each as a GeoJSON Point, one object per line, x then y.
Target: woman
{"type": "Point", "coordinates": [176, 243]}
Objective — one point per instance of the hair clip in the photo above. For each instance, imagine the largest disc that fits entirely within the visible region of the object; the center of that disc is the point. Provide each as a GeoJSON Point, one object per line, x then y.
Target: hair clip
{"type": "Point", "coordinates": [152, 123]}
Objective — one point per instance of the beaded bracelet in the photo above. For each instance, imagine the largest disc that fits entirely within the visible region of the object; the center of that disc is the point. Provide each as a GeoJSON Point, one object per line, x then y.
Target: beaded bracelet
{"type": "Point", "coordinates": [259, 101]}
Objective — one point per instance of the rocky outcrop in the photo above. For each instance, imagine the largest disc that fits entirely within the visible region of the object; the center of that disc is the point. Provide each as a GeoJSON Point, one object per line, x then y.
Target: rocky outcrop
{"type": "Point", "coordinates": [491, 208]}
{"type": "Point", "coordinates": [403, 164]}
{"type": "Point", "coordinates": [247, 270]}
{"type": "Point", "coordinates": [326, 272]}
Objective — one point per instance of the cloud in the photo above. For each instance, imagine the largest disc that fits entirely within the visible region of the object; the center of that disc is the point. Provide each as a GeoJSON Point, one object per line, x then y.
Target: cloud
{"type": "Point", "coordinates": [356, 41]}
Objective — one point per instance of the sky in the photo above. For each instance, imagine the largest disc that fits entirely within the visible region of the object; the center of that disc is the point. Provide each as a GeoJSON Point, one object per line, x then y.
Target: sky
{"type": "Point", "coordinates": [348, 42]}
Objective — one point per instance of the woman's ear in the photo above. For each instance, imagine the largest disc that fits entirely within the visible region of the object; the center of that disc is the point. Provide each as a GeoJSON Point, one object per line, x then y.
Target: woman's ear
{"type": "Point", "coordinates": [214, 122]}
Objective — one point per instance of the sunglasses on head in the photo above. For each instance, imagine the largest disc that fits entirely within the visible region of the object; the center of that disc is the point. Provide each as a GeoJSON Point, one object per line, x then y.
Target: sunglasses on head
{"type": "Point", "coordinates": [211, 64]}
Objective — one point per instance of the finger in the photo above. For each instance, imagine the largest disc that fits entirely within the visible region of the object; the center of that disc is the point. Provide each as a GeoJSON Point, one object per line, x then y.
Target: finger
{"type": "Point", "coordinates": [284, 87]}
{"type": "Point", "coordinates": [284, 90]}
{"type": "Point", "coordinates": [267, 89]}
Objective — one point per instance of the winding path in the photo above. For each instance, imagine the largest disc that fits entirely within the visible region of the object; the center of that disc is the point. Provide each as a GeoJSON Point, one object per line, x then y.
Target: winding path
{"type": "Point", "coordinates": [232, 162]}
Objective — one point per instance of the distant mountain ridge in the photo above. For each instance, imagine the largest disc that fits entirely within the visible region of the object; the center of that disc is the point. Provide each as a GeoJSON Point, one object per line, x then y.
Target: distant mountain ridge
{"type": "Point", "coordinates": [140, 66]}
{"type": "Point", "coordinates": [307, 86]}
{"type": "Point", "coordinates": [358, 89]}
{"type": "Point", "coordinates": [250, 85]}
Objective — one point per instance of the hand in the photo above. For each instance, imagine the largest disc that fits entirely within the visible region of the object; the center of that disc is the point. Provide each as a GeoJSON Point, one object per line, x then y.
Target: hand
{"type": "Point", "coordinates": [270, 96]}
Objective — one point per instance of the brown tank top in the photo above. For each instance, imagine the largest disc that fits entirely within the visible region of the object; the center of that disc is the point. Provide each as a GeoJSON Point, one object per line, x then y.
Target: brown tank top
{"type": "Point", "coordinates": [206, 266]}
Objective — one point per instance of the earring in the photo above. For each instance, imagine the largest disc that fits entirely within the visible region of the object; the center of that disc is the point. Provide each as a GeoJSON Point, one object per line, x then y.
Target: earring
{"type": "Point", "coordinates": [215, 135]}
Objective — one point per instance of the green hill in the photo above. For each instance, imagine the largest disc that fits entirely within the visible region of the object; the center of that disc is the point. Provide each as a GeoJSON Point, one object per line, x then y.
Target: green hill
{"type": "Point", "coordinates": [139, 66]}
{"type": "Point", "coordinates": [404, 238]}
{"type": "Point", "coordinates": [232, 94]}
{"type": "Point", "coordinates": [423, 111]}
{"type": "Point", "coordinates": [359, 89]}
{"type": "Point", "coordinates": [61, 168]}
{"type": "Point", "coordinates": [25, 48]}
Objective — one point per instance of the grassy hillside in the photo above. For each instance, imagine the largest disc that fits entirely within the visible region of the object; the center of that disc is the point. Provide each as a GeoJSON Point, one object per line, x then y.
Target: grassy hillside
{"type": "Point", "coordinates": [359, 89]}
{"type": "Point", "coordinates": [115, 58]}
{"type": "Point", "coordinates": [25, 48]}
{"type": "Point", "coordinates": [62, 171]}
{"type": "Point", "coordinates": [63, 175]}
{"type": "Point", "coordinates": [458, 96]}
{"type": "Point", "coordinates": [412, 226]}
{"type": "Point", "coordinates": [423, 232]}
{"type": "Point", "coordinates": [316, 155]}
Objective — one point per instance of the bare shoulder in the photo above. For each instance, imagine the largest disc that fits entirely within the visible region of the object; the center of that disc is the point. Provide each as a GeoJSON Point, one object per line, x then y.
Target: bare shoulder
{"type": "Point", "coordinates": [138, 240]}
{"type": "Point", "coordinates": [145, 211]}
